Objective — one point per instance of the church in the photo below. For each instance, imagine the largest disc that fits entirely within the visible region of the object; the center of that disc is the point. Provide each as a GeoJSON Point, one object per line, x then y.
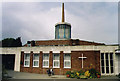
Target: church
{"type": "Point", "coordinates": [65, 54]}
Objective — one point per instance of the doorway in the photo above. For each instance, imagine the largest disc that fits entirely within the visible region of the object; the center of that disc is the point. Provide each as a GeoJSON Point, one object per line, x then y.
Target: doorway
{"type": "Point", "coordinates": [8, 61]}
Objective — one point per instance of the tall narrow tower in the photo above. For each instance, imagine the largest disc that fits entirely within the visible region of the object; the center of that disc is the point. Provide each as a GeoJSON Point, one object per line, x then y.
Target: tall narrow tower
{"type": "Point", "coordinates": [63, 29]}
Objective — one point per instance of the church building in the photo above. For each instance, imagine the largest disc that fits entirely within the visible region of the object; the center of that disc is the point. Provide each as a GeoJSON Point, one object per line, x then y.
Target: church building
{"type": "Point", "coordinates": [65, 54]}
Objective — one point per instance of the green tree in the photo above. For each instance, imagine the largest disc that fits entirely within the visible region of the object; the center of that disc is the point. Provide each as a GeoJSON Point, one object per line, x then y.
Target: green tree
{"type": "Point", "coordinates": [11, 42]}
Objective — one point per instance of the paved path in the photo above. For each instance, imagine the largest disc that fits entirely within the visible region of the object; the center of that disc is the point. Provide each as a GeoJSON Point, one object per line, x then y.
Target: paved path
{"type": "Point", "coordinates": [24, 75]}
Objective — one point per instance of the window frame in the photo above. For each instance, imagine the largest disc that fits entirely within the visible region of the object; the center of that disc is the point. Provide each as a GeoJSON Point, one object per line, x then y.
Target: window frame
{"type": "Point", "coordinates": [36, 60]}
{"type": "Point", "coordinates": [45, 60]}
{"type": "Point", "coordinates": [26, 60]}
{"type": "Point", "coordinates": [108, 68]}
{"type": "Point", "coordinates": [67, 61]}
{"type": "Point", "coordinates": [56, 61]}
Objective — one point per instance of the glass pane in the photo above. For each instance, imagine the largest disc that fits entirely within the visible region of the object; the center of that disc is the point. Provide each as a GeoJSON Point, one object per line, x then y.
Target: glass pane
{"type": "Point", "coordinates": [46, 57]}
{"type": "Point", "coordinates": [103, 70]}
{"type": "Point", "coordinates": [111, 55]}
{"type": "Point", "coordinates": [67, 64]}
{"type": "Point", "coordinates": [111, 62]}
{"type": "Point", "coordinates": [107, 69]}
{"type": "Point", "coordinates": [106, 55]}
{"type": "Point", "coordinates": [35, 63]}
{"type": "Point", "coordinates": [102, 62]}
{"type": "Point", "coordinates": [67, 33]}
{"type": "Point", "coordinates": [56, 63]}
{"type": "Point", "coordinates": [36, 57]}
{"type": "Point", "coordinates": [107, 63]}
{"type": "Point", "coordinates": [27, 56]}
{"type": "Point", "coordinates": [26, 62]}
{"type": "Point", "coordinates": [56, 57]}
{"type": "Point", "coordinates": [67, 57]}
{"type": "Point", "coordinates": [111, 69]}
{"type": "Point", "coordinates": [61, 32]}
{"type": "Point", "coordinates": [102, 55]}
{"type": "Point", "coordinates": [45, 63]}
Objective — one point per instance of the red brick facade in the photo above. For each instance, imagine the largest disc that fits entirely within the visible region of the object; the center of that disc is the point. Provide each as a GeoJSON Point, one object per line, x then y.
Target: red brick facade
{"type": "Point", "coordinates": [71, 42]}
{"type": "Point", "coordinates": [92, 61]}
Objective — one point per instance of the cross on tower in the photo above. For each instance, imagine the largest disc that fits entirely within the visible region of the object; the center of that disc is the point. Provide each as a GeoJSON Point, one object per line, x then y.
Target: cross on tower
{"type": "Point", "coordinates": [82, 59]}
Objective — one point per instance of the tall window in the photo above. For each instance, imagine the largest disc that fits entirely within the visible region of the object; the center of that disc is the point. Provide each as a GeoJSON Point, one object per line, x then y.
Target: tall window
{"type": "Point", "coordinates": [111, 62]}
{"type": "Point", "coordinates": [67, 61]}
{"type": "Point", "coordinates": [46, 60]}
{"type": "Point", "coordinates": [102, 63]}
{"type": "Point", "coordinates": [107, 63]}
{"type": "Point", "coordinates": [56, 61]}
{"type": "Point", "coordinates": [35, 60]}
{"type": "Point", "coordinates": [26, 60]}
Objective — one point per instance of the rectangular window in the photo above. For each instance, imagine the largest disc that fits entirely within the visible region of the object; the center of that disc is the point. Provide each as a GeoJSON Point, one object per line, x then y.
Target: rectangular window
{"type": "Point", "coordinates": [102, 62]}
{"type": "Point", "coordinates": [107, 62]}
{"type": "Point", "coordinates": [56, 61]}
{"type": "Point", "coordinates": [35, 60]}
{"type": "Point", "coordinates": [111, 62]}
{"type": "Point", "coordinates": [67, 61]}
{"type": "Point", "coordinates": [46, 60]}
{"type": "Point", "coordinates": [26, 60]}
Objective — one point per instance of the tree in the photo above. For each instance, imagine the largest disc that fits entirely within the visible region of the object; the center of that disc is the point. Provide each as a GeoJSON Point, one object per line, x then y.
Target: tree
{"type": "Point", "coordinates": [11, 42]}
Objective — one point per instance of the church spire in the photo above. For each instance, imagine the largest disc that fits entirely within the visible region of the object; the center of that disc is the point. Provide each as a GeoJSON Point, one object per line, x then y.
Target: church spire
{"type": "Point", "coordinates": [63, 18]}
{"type": "Point", "coordinates": [63, 29]}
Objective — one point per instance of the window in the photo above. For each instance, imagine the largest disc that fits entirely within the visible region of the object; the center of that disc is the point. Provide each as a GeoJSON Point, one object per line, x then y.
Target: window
{"type": "Point", "coordinates": [102, 63]}
{"type": "Point", "coordinates": [28, 45]}
{"type": "Point", "coordinates": [26, 60]}
{"type": "Point", "coordinates": [56, 61]}
{"type": "Point", "coordinates": [107, 62]}
{"type": "Point", "coordinates": [111, 62]}
{"type": "Point", "coordinates": [107, 66]}
{"type": "Point", "coordinates": [67, 61]}
{"type": "Point", "coordinates": [35, 60]}
{"type": "Point", "coordinates": [46, 60]}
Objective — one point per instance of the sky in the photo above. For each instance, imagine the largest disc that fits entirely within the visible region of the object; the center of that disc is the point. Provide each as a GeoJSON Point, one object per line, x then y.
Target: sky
{"type": "Point", "coordinates": [90, 21]}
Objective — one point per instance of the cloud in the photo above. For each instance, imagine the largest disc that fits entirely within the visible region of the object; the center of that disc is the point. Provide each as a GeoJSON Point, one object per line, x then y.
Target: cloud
{"type": "Point", "coordinates": [36, 21]}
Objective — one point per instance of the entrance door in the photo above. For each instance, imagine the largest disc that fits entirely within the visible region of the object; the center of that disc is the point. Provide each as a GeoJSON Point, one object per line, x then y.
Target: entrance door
{"type": "Point", "coordinates": [8, 61]}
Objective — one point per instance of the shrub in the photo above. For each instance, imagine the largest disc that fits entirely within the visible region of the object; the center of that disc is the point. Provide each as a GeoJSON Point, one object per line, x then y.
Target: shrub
{"type": "Point", "coordinates": [77, 73]}
{"type": "Point", "coordinates": [73, 74]}
{"type": "Point", "coordinates": [81, 72]}
{"type": "Point", "coordinates": [93, 73]}
{"type": "Point", "coordinates": [83, 77]}
{"type": "Point", "coordinates": [87, 74]}
{"type": "Point", "coordinates": [68, 73]}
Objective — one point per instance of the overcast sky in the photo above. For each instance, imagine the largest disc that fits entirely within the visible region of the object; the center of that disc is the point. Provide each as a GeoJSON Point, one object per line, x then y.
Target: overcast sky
{"type": "Point", "coordinates": [91, 21]}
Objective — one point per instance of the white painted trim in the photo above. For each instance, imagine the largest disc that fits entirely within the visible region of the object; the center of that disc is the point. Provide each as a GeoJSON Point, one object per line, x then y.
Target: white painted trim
{"type": "Point", "coordinates": [109, 64]}
{"type": "Point", "coordinates": [57, 61]}
{"type": "Point", "coordinates": [82, 59]}
{"type": "Point", "coordinates": [45, 60]}
{"type": "Point", "coordinates": [67, 60]}
{"type": "Point", "coordinates": [36, 60]}
{"type": "Point", "coordinates": [27, 60]}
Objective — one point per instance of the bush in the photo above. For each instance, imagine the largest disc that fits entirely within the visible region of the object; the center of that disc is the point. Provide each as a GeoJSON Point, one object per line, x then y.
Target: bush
{"type": "Point", "coordinates": [81, 72]}
{"type": "Point", "coordinates": [93, 73]}
{"type": "Point", "coordinates": [73, 74]}
{"type": "Point", "coordinates": [87, 74]}
{"type": "Point", "coordinates": [68, 73]}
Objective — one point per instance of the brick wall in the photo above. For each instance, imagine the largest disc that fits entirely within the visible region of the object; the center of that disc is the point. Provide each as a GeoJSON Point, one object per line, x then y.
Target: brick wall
{"type": "Point", "coordinates": [70, 42]}
{"type": "Point", "coordinates": [92, 61]}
